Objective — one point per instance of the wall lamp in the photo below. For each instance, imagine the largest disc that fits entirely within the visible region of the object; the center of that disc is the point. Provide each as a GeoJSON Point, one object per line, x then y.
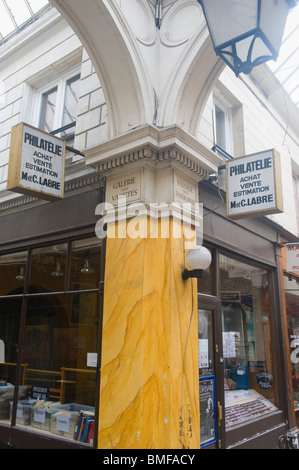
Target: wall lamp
{"type": "Point", "coordinates": [246, 33]}
{"type": "Point", "coordinates": [198, 258]}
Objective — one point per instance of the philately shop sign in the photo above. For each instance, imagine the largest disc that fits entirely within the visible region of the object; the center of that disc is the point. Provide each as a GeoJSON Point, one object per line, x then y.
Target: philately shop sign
{"type": "Point", "coordinates": [253, 185]}
{"type": "Point", "coordinates": [36, 163]}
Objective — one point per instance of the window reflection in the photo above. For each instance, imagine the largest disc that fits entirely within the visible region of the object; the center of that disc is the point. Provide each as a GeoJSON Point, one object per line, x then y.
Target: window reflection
{"type": "Point", "coordinates": [53, 342]}
{"type": "Point", "coordinates": [85, 264]}
{"type": "Point", "coordinates": [291, 285]}
{"type": "Point", "coordinates": [48, 110]}
{"type": "Point", "coordinates": [60, 343]}
{"type": "Point", "coordinates": [250, 386]}
{"type": "Point", "coordinates": [12, 273]}
{"type": "Point", "coordinates": [206, 283]}
{"type": "Point", "coordinates": [10, 317]}
{"type": "Point", "coordinates": [48, 265]}
{"type": "Point", "coordinates": [205, 342]}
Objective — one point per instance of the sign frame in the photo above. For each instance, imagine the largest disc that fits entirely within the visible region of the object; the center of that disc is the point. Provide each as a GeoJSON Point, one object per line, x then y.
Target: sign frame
{"type": "Point", "coordinates": [238, 208]}
{"type": "Point", "coordinates": [17, 160]}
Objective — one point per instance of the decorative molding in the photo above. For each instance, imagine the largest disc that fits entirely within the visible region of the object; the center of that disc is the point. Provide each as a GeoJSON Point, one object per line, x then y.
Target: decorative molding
{"type": "Point", "coordinates": [140, 18]}
{"type": "Point", "coordinates": [171, 144]}
{"type": "Point", "coordinates": [181, 22]}
{"type": "Point", "coordinates": [146, 153]}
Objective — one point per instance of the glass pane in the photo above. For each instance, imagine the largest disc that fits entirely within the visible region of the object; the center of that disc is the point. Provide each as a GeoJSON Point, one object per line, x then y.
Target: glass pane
{"type": "Point", "coordinates": [291, 286]}
{"type": "Point", "coordinates": [249, 369]}
{"type": "Point", "coordinates": [205, 284]}
{"type": "Point", "coordinates": [61, 354]}
{"type": "Point", "coordinates": [205, 342]}
{"type": "Point", "coordinates": [220, 127]}
{"type": "Point", "coordinates": [47, 270]}
{"type": "Point", "coordinates": [48, 110]}
{"type": "Point", "coordinates": [85, 264]}
{"type": "Point", "coordinates": [10, 318]}
{"type": "Point", "coordinates": [19, 11]}
{"type": "Point", "coordinates": [37, 5]}
{"type": "Point", "coordinates": [12, 272]}
{"type": "Point", "coordinates": [7, 25]}
{"type": "Point", "coordinates": [207, 384]}
{"type": "Point", "coordinates": [70, 106]}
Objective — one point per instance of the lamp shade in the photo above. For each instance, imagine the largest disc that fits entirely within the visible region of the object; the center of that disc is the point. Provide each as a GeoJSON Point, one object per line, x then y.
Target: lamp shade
{"type": "Point", "coordinates": [246, 33]}
{"type": "Point", "coordinates": [198, 257]}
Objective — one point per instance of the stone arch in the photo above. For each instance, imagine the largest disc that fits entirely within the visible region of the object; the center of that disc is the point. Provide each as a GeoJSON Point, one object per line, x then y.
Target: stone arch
{"type": "Point", "coordinates": [102, 35]}
{"type": "Point", "coordinates": [124, 63]}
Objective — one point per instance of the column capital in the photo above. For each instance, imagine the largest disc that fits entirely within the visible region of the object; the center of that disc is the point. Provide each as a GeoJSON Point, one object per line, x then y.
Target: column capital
{"type": "Point", "coordinates": [152, 144]}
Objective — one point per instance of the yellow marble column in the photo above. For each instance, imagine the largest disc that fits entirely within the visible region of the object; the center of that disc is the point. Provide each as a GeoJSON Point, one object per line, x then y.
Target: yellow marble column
{"type": "Point", "coordinates": [149, 393]}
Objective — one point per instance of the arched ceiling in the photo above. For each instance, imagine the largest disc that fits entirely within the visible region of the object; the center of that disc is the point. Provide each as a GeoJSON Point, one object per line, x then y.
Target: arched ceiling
{"type": "Point", "coordinates": [149, 75]}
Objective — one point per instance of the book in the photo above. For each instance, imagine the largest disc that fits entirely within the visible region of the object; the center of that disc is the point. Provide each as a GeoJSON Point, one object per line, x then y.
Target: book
{"type": "Point", "coordinates": [90, 432]}
{"type": "Point", "coordinates": [84, 429]}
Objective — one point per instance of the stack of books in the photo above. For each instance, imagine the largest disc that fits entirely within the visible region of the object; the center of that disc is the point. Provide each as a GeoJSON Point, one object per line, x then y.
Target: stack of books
{"type": "Point", "coordinates": [84, 430]}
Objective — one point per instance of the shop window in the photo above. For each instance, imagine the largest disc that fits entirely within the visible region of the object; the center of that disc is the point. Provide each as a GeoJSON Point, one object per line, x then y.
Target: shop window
{"type": "Point", "coordinates": [249, 368]}
{"type": "Point", "coordinates": [59, 104]}
{"type": "Point", "coordinates": [291, 287]}
{"type": "Point", "coordinates": [48, 268]}
{"type": "Point", "coordinates": [58, 304]}
{"type": "Point", "coordinates": [85, 262]}
{"type": "Point", "coordinates": [296, 199]}
{"type": "Point", "coordinates": [206, 283]}
{"type": "Point", "coordinates": [12, 273]}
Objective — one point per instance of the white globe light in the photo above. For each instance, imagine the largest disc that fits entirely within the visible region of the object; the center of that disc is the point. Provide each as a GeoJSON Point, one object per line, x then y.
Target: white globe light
{"type": "Point", "coordinates": [198, 257]}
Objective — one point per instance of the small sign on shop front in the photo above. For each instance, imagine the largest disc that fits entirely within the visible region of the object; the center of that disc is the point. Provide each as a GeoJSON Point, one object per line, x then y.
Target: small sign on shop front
{"type": "Point", "coordinates": [36, 163]}
{"type": "Point", "coordinates": [253, 185]}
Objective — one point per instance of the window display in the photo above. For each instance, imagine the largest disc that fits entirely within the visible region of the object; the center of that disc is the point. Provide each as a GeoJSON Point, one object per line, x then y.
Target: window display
{"type": "Point", "coordinates": [291, 285]}
{"type": "Point", "coordinates": [56, 299]}
{"type": "Point", "coordinates": [249, 373]}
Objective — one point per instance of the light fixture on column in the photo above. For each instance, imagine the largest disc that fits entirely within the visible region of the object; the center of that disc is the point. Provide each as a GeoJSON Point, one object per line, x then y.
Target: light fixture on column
{"type": "Point", "coordinates": [198, 258]}
{"type": "Point", "coordinates": [246, 33]}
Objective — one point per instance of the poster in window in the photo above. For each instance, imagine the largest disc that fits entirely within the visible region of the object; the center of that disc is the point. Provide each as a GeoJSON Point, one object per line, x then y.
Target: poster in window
{"type": "Point", "coordinates": [207, 398]}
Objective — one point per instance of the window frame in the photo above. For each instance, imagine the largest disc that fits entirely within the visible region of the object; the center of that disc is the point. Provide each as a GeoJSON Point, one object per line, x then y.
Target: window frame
{"type": "Point", "coordinates": [35, 97]}
{"type": "Point", "coordinates": [226, 108]}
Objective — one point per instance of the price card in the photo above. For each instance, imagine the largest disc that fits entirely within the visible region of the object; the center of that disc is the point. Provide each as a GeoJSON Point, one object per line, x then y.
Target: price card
{"type": "Point", "coordinates": [63, 423]}
{"type": "Point", "coordinates": [39, 415]}
{"type": "Point", "coordinates": [19, 411]}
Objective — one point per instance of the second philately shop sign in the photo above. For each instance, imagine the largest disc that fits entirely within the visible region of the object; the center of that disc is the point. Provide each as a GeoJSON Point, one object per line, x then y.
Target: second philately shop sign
{"type": "Point", "coordinates": [253, 185]}
{"type": "Point", "coordinates": [36, 163]}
